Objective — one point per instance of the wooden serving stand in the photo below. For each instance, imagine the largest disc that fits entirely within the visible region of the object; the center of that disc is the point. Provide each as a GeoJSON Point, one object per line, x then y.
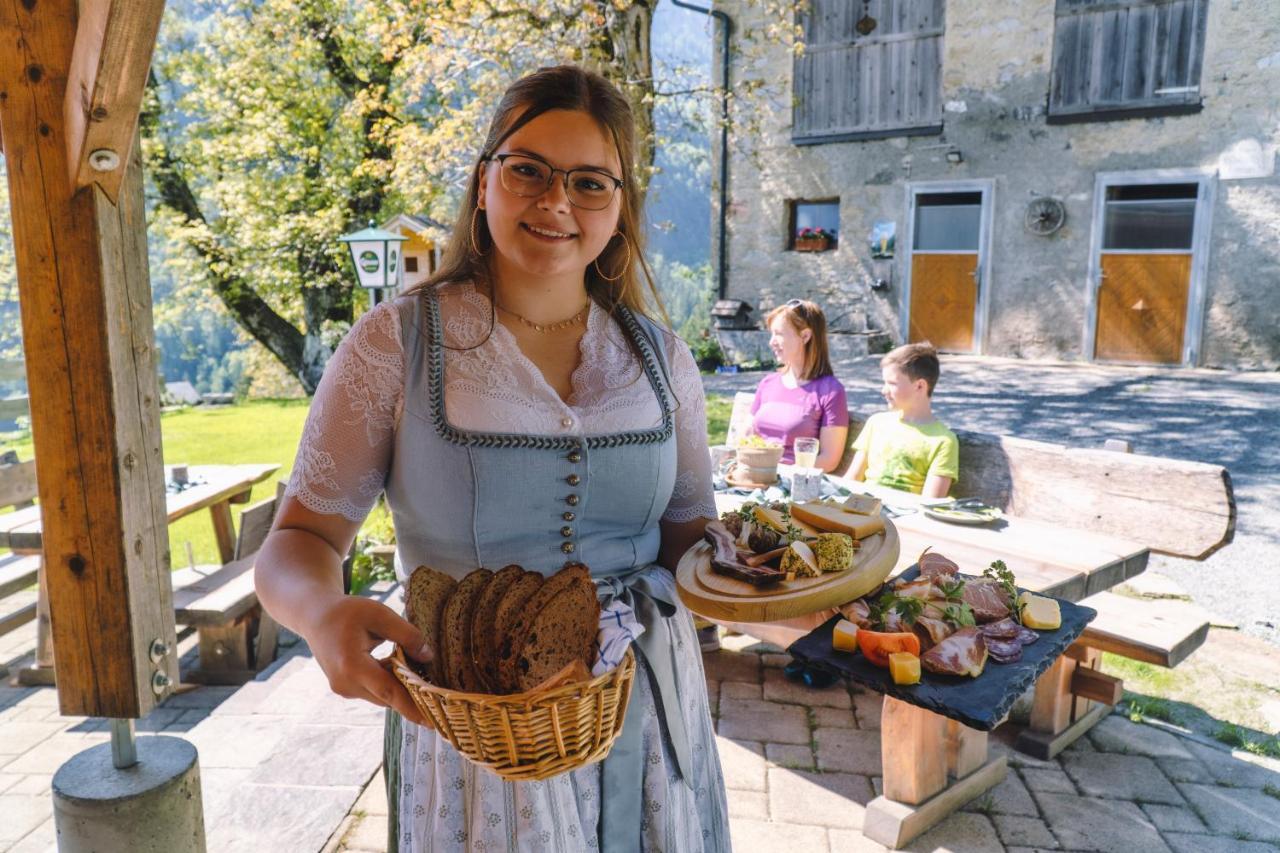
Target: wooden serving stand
{"type": "Point", "coordinates": [932, 766]}
{"type": "Point", "coordinates": [719, 597]}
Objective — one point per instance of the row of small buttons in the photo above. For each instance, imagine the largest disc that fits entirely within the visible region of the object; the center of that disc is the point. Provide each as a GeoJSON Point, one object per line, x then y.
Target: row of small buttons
{"type": "Point", "coordinates": [575, 457]}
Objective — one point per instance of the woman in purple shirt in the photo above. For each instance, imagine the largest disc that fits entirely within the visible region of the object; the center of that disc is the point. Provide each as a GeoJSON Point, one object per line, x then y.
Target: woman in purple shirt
{"type": "Point", "coordinates": [803, 399]}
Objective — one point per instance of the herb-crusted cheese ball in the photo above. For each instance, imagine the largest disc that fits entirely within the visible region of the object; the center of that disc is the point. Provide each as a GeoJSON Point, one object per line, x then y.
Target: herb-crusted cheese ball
{"type": "Point", "coordinates": [834, 551]}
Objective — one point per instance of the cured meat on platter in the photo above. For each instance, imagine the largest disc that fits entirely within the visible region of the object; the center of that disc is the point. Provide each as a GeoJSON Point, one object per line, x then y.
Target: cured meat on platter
{"type": "Point", "coordinates": [960, 621]}
{"type": "Point", "coordinates": [963, 653]}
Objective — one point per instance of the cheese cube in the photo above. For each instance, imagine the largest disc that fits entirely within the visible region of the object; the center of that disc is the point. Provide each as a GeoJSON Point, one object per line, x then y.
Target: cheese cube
{"type": "Point", "coordinates": [1039, 612]}
{"type": "Point", "coordinates": [904, 668]}
{"type": "Point", "coordinates": [845, 638]}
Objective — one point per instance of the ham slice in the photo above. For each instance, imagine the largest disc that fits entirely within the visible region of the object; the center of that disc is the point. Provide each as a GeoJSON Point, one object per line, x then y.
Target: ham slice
{"type": "Point", "coordinates": [962, 653]}
{"type": "Point", "coordinates": [987, 600]}
{"type": "Point", "coordinates": [919, 588]}
{"type": "Point", "coordinates": [932, 631]}
{"type": "Point", "coordinates": [933, 565]}
{"type": "Point", "coordinates": [858, 612]}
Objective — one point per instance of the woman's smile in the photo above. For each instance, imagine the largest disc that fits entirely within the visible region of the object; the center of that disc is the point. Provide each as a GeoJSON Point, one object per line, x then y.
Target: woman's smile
{"type": "Point", "coordinates": [547, 233]}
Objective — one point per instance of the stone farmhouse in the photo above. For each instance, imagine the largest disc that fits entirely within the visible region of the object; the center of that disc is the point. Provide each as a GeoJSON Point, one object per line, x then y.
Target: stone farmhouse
{"type": "Point", "coordinates": [1072, 179]}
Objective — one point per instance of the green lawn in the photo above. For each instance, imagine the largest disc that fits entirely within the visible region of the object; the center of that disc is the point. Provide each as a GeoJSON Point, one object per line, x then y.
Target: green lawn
{"type": "Point", "coordinates": [263, 431]}
{"type": "Point", "coordinates": [255, 431]}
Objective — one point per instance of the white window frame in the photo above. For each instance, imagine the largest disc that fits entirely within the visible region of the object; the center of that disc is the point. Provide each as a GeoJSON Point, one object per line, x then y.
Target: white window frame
{"type": "Point", "coordinates": [987, 188]}
{"type": "Point", "coordinates": [1198, 289]}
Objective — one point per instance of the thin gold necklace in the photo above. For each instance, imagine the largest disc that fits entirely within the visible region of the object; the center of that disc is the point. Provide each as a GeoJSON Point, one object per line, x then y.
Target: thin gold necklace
{"type": "Point", "coordinates": [548, 327]}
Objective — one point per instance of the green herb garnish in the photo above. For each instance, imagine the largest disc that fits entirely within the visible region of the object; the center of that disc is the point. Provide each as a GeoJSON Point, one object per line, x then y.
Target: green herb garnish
{"type": "Point", "coordinates": [1002, 575]}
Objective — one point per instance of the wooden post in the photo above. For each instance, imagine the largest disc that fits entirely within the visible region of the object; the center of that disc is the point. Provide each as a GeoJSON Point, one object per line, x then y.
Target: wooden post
{"type": "Point", "coordinates": [87, 331]}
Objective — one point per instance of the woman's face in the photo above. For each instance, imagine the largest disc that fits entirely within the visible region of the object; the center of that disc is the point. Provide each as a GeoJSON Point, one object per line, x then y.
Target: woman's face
{"type": "Point", "coordinates": [787, 342]}
{"type": "Point", "coordinates": [545, 235]}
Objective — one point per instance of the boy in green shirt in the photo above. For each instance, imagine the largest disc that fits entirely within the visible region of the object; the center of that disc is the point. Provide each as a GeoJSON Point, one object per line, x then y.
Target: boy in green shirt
{"type": "Point", "coordinates": [907, 447]}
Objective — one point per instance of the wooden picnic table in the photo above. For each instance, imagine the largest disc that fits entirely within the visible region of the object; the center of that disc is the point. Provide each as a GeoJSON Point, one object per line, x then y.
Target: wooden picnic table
{"type": "Point", "coordinates": [213, 487]}
{"type": "Point", "coordinates": [933, 765]}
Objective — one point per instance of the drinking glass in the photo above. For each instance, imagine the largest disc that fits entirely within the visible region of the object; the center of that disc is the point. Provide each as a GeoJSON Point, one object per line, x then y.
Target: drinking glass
{"type": "Point", "coordinates": [806, 452]}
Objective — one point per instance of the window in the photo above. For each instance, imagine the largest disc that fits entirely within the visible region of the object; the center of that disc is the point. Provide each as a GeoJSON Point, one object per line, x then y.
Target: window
{"type": "Point", "coordinates": [410, 263]}
{"type": "Point", "coordinates": [869, 69]}
{"type": "Point", "coordinates": [815, 225]}
{"type": "Point", "coordinates": [1157, 217]}
{"type": "Point", "coordinates": [1126, 58]}
{"type": "Point", "coordinates": [948, 222]}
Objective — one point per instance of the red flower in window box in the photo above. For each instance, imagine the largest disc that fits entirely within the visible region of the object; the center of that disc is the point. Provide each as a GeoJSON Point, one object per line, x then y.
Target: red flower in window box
{"type": "Point", "coordinates": [813, 240]}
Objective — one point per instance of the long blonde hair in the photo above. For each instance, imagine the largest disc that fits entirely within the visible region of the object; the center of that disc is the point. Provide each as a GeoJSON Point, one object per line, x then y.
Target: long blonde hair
{"type": "Point", "coordinates": [562, 87]}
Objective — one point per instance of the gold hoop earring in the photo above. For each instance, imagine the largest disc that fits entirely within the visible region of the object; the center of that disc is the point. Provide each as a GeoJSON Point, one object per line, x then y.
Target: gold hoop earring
{"type": "Point", "coordinates": [475, 244]}
{"type": "Point", "coordinates": [626, 264]}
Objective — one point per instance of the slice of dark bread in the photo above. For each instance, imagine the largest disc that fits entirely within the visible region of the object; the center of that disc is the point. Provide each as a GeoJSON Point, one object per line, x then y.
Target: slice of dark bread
{"type": "Point", "coordinates": [456, 630]}
{"type": "Point", "coordinates": [564, 631]}
{"type": "Point", "coordinates": [513, 638]}
{"type": "Point", "coordinates": [510, 607]}
{"type": "Point", "coordinates": [482, 616]}
{"type": "Point", "coordinates": [424, 607]}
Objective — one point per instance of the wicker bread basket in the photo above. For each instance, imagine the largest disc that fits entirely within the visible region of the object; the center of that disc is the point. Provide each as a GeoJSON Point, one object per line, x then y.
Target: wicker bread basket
{"type": "Point", "coordinates": [527, 736]}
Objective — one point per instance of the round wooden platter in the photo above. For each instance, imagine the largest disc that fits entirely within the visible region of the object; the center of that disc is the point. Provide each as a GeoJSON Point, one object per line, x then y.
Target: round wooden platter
{"type": "Point", "coordinates": [715, 596]}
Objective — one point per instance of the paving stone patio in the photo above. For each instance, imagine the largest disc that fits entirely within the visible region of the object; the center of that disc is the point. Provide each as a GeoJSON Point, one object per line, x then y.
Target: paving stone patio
{"type": "Point", "coordinates": [287, 766]}
{"type": "Point", "coordinates": [800, 766]}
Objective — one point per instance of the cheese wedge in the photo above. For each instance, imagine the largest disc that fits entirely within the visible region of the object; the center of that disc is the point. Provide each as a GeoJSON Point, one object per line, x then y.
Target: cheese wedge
{"type": "Point", "coordinates": [904, 668]}
{"type": "Point", "coordinates": [773, 518]}
{"type": "Point", "coordinates": [1039, 612]}
{"type": "Point", "coordinates": [862, 505]}
{"type": "Point", "coordinates": [845, 637]}
{"type": "Point", "coordinates": [833, 518]}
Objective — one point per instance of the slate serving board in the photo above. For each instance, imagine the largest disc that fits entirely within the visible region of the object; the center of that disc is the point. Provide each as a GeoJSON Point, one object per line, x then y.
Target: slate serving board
{"type": "Point", "coordinates": [979, 703]}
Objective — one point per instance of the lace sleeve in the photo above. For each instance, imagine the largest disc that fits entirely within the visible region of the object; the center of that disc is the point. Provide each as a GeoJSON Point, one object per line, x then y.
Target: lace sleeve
{"type": "Point", "coordinates": [693, 496]}
{"type": "Point", "coordinates": [345, 451]}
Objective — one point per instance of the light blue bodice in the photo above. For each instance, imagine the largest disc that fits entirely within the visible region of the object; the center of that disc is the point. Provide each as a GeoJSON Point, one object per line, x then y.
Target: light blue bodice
{"type": "Point", "coordinates": [461, 500]}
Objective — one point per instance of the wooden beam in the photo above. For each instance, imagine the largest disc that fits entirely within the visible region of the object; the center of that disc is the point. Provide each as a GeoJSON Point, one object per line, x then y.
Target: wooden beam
{"type": "Point", "coordinates": [84, 290]}
{"type": "Point", "coordinates": [106, 84]}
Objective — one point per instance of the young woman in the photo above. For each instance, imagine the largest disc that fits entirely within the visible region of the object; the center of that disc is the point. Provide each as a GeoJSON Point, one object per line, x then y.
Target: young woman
{"type": "Point", "coordinates": [803, 399]}
{"type": "Point", "coordinates": [521, 407]}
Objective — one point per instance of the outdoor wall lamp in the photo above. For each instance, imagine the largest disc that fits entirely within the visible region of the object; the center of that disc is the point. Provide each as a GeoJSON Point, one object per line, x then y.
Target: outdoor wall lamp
{"type": "Point", "coordinates": [954, 155]}
{"type": "Point", "coordinates": [375, 253]}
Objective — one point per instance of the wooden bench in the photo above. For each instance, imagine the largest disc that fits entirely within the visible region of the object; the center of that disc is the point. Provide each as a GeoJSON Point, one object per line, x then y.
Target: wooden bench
{"type": "Point", "coordinates": [17, 571]}
{"type": "Point", "coordinates": [236, 638]}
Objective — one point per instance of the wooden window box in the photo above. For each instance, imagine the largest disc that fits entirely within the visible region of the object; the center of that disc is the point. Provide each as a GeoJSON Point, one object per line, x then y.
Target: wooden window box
{"type": "Point", "coordinates": [812, 244]}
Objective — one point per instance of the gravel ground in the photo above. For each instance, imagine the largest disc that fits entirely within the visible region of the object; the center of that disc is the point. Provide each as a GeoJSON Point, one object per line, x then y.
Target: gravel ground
{"type": "Point", "coordinates": [1232, 419]}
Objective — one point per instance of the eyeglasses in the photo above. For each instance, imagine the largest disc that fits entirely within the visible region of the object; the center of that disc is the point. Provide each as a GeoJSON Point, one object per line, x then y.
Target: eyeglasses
{"type": "Point", "coordinates": [529, 177]}
{"type": "Point", "coordinates": [793, 303]}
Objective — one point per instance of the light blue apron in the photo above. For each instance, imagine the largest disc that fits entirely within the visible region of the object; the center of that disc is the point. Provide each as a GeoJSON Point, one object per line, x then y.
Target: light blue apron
{"type": "Point", "coordinates": [466, 499]}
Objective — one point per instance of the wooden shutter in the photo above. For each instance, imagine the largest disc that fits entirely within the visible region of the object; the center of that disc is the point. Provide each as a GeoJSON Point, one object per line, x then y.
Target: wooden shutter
{"type": "Point", "coordinates": [1132, 57]}
{"type": "Point", "coordinates": [885, 83]}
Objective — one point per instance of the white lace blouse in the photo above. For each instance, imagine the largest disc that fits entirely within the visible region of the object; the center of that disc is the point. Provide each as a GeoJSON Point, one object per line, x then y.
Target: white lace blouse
{"type": "Point", "coordinates": [346, 449]}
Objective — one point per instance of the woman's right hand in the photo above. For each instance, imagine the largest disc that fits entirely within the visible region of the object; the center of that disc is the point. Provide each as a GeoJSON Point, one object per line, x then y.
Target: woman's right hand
{"type": "Point", "coordinates": [347, 630]}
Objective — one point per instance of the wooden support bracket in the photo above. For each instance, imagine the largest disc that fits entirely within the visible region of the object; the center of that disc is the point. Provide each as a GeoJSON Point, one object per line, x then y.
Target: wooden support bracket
{"type": "Point", "coordinates": [108, 77]}
{"type": "Point", "coordinates": [1070, 698]}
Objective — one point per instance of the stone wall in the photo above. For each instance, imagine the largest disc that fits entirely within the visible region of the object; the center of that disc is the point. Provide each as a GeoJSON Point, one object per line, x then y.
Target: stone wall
{"type": "Point", "coordinates": [996, 65]}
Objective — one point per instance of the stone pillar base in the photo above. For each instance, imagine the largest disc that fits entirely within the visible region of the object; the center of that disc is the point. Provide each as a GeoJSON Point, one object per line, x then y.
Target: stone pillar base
{"type": "Point", "coordinates": [152, 807]}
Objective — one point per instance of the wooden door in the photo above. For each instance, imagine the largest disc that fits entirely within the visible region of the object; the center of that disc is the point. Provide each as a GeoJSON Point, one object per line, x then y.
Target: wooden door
{"type": "Point", "coordinates": [944, 299]}
{"type": "Point", "coordinates": [1142, 307]}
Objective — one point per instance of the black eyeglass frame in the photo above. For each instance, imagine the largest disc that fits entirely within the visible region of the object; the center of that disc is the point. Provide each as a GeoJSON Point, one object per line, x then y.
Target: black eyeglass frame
{"type": "Point", "coordinates": [618, 183]}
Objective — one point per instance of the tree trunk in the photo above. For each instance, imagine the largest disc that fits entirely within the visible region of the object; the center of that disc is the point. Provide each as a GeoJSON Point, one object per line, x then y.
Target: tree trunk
{"type": "Point", "coordinates": [622, 52]}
